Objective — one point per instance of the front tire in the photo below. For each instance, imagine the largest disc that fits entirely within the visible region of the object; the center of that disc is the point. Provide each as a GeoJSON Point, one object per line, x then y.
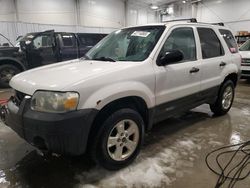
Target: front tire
{"type": "Point", "coordinates": [224, 100]}
{"type": "Point", "coordinates": [6, 73]}
{"type": "Point", "coordinates": [119, 139]}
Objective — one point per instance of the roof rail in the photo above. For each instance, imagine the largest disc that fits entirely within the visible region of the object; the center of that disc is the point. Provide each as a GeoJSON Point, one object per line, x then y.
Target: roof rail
{"type": "Point", "coordinates": [221, 24]}
{"type": "Point", "coordinates": [192, 20]}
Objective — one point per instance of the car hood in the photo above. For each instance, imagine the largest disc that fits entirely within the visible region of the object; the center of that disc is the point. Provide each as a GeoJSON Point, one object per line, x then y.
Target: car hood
{"type": "Point", "coordinates": [60, 76]}
{"type": "Point", "coordinates": [245, 54]}
{"type": "Point", "coordinates": [8, 49]}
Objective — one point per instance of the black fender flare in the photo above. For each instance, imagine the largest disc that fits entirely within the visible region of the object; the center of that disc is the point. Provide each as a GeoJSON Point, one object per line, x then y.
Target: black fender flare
{"type": "Point", "coordinates": [16, 61]}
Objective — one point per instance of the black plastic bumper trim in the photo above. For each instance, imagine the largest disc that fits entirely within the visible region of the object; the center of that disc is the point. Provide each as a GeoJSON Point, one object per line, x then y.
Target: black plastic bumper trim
{"type": "Point", "coordinates": [65, 133]}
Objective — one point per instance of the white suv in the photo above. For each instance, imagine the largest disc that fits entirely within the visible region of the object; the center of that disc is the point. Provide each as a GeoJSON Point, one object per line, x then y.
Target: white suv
{"type": "Point", "coordinates": [245, 64]}
{"type": "Point", "coordinates": [132, 79]}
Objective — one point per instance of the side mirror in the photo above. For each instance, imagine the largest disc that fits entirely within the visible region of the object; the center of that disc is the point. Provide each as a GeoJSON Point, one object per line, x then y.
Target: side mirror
{"type": "Point", "coordinates": [170, 57]}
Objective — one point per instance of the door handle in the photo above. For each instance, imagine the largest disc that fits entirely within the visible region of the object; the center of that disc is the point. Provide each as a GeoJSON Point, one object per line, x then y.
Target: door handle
{"type": "Point", "coordinates": [222, 64]}
{"type": "Point", "coordinates": [194, 70]}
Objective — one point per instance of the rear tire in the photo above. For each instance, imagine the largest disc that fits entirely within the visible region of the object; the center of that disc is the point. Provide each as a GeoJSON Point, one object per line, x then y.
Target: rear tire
{"type": "Point", "coordinates": [224, 100]}
{"type": "Point", "coordinates": [119, 139]}
{"type": "Point", "coordinates": [6, 73]}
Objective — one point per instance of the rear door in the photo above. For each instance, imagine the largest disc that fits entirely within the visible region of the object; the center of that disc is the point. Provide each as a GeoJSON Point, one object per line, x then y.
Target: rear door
{"type": "Point", "coordinates": [177, 84]}
{"type": "Point", "coordinates": [214, 60]}
{"type": "Point", "coordinates": [68, 46]}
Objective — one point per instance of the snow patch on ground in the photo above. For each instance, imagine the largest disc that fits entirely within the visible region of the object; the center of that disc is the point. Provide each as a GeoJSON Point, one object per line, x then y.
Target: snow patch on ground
{"type": "Point", "coordinates": [157, 171]}
{"type": "Point", "coordinates": [215, 143]}
{"type": "Point", "coordinates": [245, 111]}
{"type": "Point", "coordinates": [148, 172]}
{"type": "Point", "coordinates": [189, 144]}
{"type": "Point", "coordinates": [3, 182]}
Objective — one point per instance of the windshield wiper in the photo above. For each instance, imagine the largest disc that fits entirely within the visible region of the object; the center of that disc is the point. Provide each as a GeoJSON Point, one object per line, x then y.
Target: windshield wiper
{"type": "Point", "coordinates": [105, 59]}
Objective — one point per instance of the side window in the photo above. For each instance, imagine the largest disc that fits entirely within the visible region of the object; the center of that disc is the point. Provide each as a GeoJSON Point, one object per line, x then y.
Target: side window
{"type": "Point", "coordinates": [181, 39]}
{"type": "Point", "coordinates": [42, 41]}
{"type": "Point", "coordinates": [67, 40]}
{"type": "Point", "coordinates": [90, 39]}
{"type": "Point", "coordinates": [210, 44]}
{"type": "Point", "coordinates": [229, 39]}
{"type": "Point", "coordinates": [86, 40]}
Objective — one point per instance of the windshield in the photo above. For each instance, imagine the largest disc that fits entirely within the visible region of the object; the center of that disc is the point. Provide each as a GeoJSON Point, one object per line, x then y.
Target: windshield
{"type": "Point", "coordinates": [245, 46]}
{"type": "Point", "coordinates": [131, 44]}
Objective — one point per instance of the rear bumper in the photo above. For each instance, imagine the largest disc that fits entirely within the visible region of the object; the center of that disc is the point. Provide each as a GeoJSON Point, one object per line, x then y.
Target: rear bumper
{"type": "Point", "coordinates": [60, 133]}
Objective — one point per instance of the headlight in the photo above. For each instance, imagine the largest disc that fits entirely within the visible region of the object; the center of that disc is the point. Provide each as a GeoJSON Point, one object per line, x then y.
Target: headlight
{"type": "Point", "coordinates": [55, 102]}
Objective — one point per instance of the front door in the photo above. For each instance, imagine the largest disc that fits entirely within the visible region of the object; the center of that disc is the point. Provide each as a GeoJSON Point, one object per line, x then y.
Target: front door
{"type": "Point", "coordinates": [178, 84]}
{"type": "Point", "coordinates": [42, 50]}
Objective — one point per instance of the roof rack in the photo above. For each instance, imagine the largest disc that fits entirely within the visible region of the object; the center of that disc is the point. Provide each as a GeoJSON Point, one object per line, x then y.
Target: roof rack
{"type": "Point", "coordinates": [220, 23]}
{"type": "Point", "coordinates": [192, 20]}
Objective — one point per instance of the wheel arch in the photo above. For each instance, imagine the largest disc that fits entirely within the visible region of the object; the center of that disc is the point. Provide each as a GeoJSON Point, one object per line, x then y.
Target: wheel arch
{"type": "Point", "coordinates": [233, 77]}
{"type": "Point", "coordinates": [134, 102]}
{"type": "Point", "coordinates": [12, 61]}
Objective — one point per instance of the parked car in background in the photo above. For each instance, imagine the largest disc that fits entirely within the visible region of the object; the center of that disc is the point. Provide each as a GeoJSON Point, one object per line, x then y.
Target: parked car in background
{"type": "Point", "coordinates": [245, 63]}
{"type": "Point", "coordinates": [241, 39]}
{"type": "Point", "coordinates": [43, 48]}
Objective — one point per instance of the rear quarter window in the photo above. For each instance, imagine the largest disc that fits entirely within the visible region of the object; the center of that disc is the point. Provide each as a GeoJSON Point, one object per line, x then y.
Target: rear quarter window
{"type": "Point", "coordinates": [229, 39]}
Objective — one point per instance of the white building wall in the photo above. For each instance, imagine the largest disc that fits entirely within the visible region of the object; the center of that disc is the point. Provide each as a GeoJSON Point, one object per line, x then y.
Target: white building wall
{"type": "Point", "coordinates": [100, 13]}
{"type": "Point", "coordinates": [108, 15]}
{"type": "Point", "coordinates": [180, 11]}
{"type": "Point", "coordinates": [60, 12]}
{"type": "Point", "coordinates": [234, 13]}
{"type": "Point", "coordinates": [139, 13]}
{"type": "Point", "coordinates": [91, 16]}
{"type": "Point", "coordinates": [7, 10]}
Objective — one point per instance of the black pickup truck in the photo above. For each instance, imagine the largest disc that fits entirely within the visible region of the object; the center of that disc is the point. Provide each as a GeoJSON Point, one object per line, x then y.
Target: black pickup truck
{"type": "Point", "coordinates": [42, 48]}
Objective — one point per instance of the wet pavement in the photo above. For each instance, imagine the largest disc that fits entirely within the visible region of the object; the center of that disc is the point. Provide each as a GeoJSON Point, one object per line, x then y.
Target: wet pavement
{"type": "Point", "coordinates": [173, 154]}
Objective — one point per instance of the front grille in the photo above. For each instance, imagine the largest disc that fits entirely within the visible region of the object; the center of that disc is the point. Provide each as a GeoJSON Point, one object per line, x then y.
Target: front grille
{"type": "Point", "coordinates": [245, 72]}
{"type": "Point", "coordinates": [245, 62]}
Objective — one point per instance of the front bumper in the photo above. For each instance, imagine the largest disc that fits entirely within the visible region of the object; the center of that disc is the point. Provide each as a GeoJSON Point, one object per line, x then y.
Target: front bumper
{"type": "Point", "coordinates": [65, 133]}
{"type": "Point", "coordinates": [245, 71]}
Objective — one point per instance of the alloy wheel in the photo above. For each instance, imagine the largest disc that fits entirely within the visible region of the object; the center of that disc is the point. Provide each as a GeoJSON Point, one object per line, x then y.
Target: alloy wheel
{"type": "Point", "coordinates": [123, 140]}
{"type": "Point", "coordinates": [227, 97]}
